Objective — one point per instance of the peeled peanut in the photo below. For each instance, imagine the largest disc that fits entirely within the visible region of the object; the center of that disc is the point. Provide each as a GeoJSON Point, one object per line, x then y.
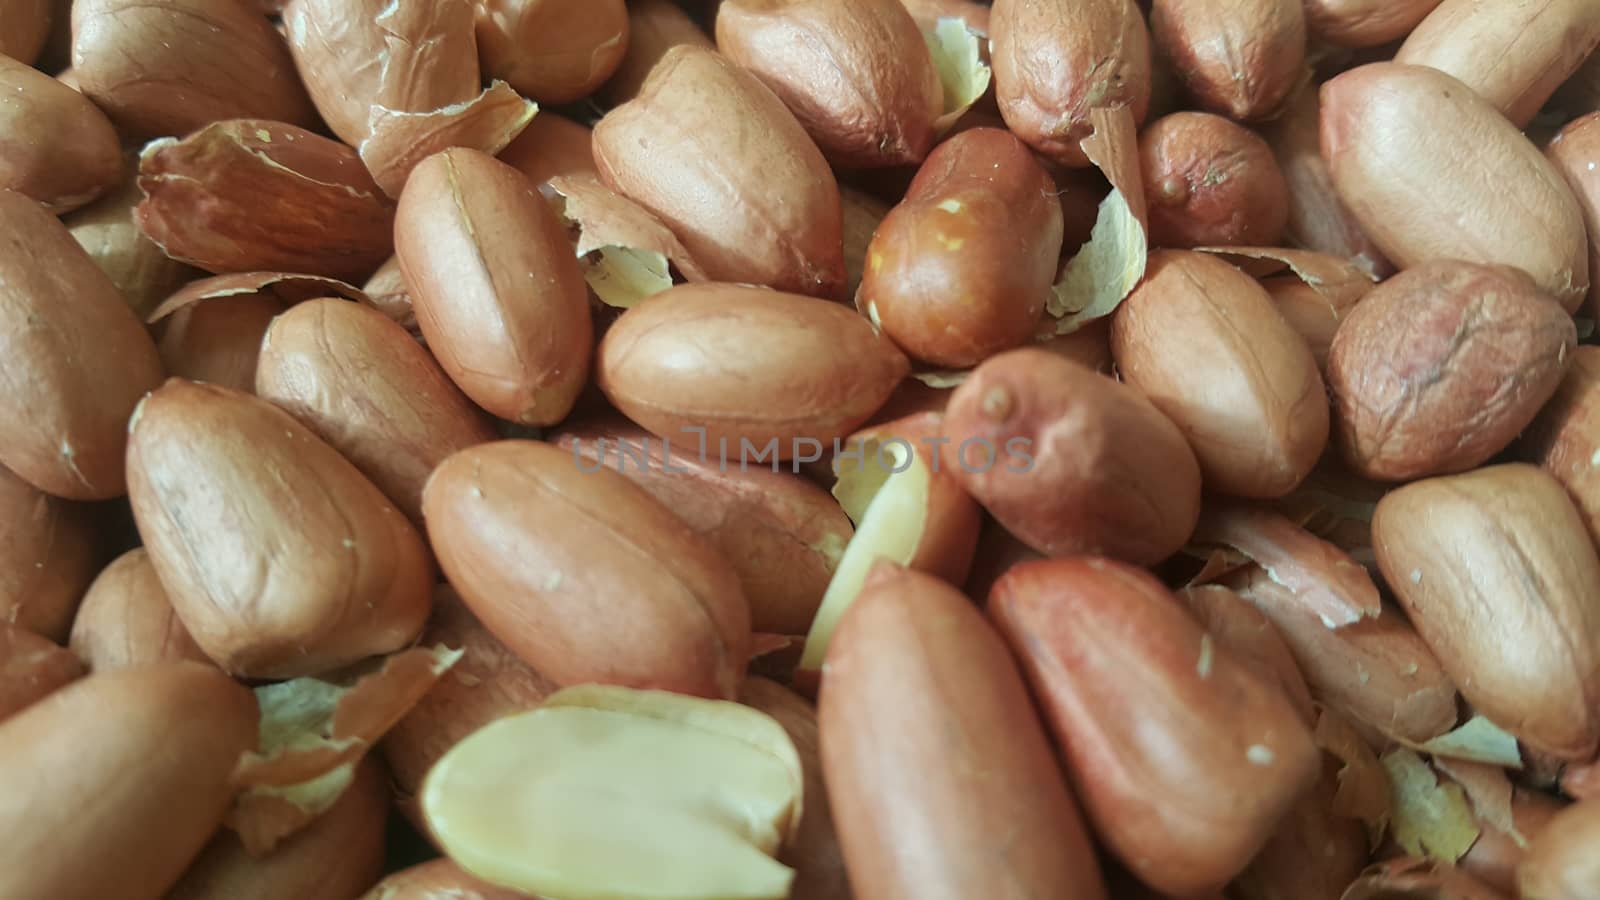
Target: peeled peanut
{"type": "Point", "coordinates": [1210, 182]}
{"type": "Point", "coordinates": [49, 549]}
{"type": "Point", "coordinates": [716, 156]}
{"type": "Point", "coordinates": [1533, 46]}
{"type": "Point", "coordinates": [551, 145]}
{"type": "Point", "coordinates": [31, 668]}
{"type": "Point", "coordinates": [783, 535]}
{"type": "Point", "coordinates": [1391, 135]}
{"type": "Point", "coordinates": [55, 146]}
{"type": "Point", "coordinates": [1576, 154]}
{"type": "Point", "coordinates": [625, 794]}
{"type": "Point", "coordinates": [746, 369]}
{"type": "Point", "coordinates": [1209, 348]}
{"type": "Point", "coordinates": [307, 567]}
{"type": "Point", "coordinates": [1239, 58]}
{"type": "Point", "coordinates": [486, 683]}
{"type": "Point", "coordinates": [1561, 863]}
{"type": "Point", "coordinates": [1440, 367]}
{"type": "Point", "coordinates": [361, 383]}
{"type": "Point", "coordinates": [497, 292]}
{"type": "Point", "coordinates": [169, 67]}
{"type": "Point", "coordinates": [141, 270]}
{"type": "Point", "coordinates": [73, 359]}
{"type": "Point", "coordinates": [584, 575]}
{"type": "Point", "coordinates": [1049, 448]}
{"type": "Point", "coordinates": [1500, 577]}
{"type": "Point", "coordinates": [856, 73]}
{"type": "Point", "coordinates": [147, 752]}
{"type": "Point", "coordinates": [355, 55]}
{"type": "Point", "coordinates": [334, 858]}
{"type": "Point", "coordinates": [1565, 437]}
{"type": "Point", "coordinates": [1365, 23]}
{"type": "Point", "coordinates": [247, 195]}
{"type": "Point", "coordinates": [1188, 790]}
{"type": "Point", "coordinates": [217, 340]}
{"type": "Point", "coordinates": [961, 269]}
{"type": "Point", "coordinates": [551, 51]}
{"type": "Point", "coordinates": [1056, 60]}
{"type": "Point", "coordinates": [439, 879]}
{"type": "Point", "coordinates": [654, 27]}
{"type": "Point", "coordinates": [956, 794]}
{"type": "Point", "coordinates": [126, 619]}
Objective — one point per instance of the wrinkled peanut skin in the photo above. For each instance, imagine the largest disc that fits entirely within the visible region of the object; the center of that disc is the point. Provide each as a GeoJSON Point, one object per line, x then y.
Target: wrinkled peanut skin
{"type": "Point", "coordinates": [1186, 793]}
{"type": "Point", "coordinates": [1574, 150]}
{"type": "Point", "coordinates": [1210, 349]}
{"type": "Point", "coordinates": [1513, 55]}
{"type": "Point", "coordinates": [1561, 863]}
{"type": "Point", "coordinates": [1432, 171]}
{"type": "Point", "coordinates": [716, 156]}
{"type": "Point", "coordinates": [1442, 366]}
{"type": "Point", "coordinates": [1054, 62]}
{"type": "Point", "coordinates": [746, 364]}
{"type": "Point", "coordinates": [1238, 58]}
{"type": "Point", "coordinates": [127, 619]}
{"type": "Point", "coordinates": [73, 359]}
{"type": "Point", "coordinates": [856, 73]}
{"type": "Point", "coordinates": [941, 779]}
{"type": "Point", "coordinates": [1104, 472]}
{"type": "Point", "coordinates": [1211, 182]}
{"type": "Point", "coordinates": [1495, 552]}
{"type": "Point", "coordinates": [584, 575]}
{"type": "Point", "coordinates": [550, 50]}
{"type": "Point", "coordinates": [155, 744]}
{"type": "Point", "coordinates": [1364, 23]}
{"type": "Point", "coordinates": [960, 270]}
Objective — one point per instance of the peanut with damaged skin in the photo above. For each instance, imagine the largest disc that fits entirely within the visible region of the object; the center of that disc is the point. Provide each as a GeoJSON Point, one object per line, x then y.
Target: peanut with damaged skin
{"type": "Point", "coordinates": [1211, 182]}
{"type": "Point", "coordinates": [1238, 58]}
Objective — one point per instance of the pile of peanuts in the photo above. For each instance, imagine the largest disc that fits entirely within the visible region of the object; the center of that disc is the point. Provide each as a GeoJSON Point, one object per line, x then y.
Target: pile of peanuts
{"type": "Point", "coordinates": [816, 449]}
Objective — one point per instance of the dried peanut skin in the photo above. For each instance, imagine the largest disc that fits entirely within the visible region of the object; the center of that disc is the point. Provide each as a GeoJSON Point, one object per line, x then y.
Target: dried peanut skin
{"type": "Point", "coordinates": [1442, 366]}
{"type": "Point", "coordinates": [1395, 139]}
{"type": "Point", "coordinates": [1238, 58]}
{"type": "Point", "coordinates": [1572, 151]}
{"type": "Point", "coordinates": [1365, 23]}
{"type": "Point", "coordinates": [960, 269]}
{"type": "Point", "coordinates": [1564, 438]}
{"type": "Point", "coordinates": [1497, 551]}
{"type": "Point", "coordinates": [1055, 61]}
{"type": "Point", "coordinates": [1211, 182]}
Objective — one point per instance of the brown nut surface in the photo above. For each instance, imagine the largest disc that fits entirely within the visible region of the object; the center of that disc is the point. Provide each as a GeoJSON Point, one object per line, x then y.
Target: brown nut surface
{"type": "Point", "coordinates": [1565, 437]}
{"type": "Point", "coordinates": [1573, 151]}
{"type": "Point", "coordinates": [782, 534]}
{"type": "Point", "coordinates": [126, 619]}
{"type": "Point", "coordinates": [217, 340]}
{"type": "Point", "coordinates": [1441, 366]}
{"type": "Point", "coordinates": [26, 26]}
{"type": "Point", "coordinates": [1561, 863]}
{"type": "Point", "coordinates": [497, 291]}
{"type": "Point", "coordinates": [551, 145]}
{"type": "Point", "coordinates": [307, 567]}
{"type": "Point", "coordinates": [1051, 449]}
{"type": "Point", "coordinates": [1365, 23]}
{"type": "Point", "coordinates": [1209, 348]}
{"type": "Point", "coordinates": [147, 745]}
{"type": "Point", "coordinates": [856, 73]}
{"type": "Point", "coordinates": [361, 383]}
{"type": "Point", "coordinates": [126, 56]}
{"type": "Point", "coordinates": [752, 367]}
{"type": "Point", "coordinates": [960, 270]}
{"type": "Point", "coordinates": [334, 858]}
{"type": "Point", "coordinates": [354, 55]}
{"type": "Point", "coordinates": [1534, 46]}
{"type": "Point", "coordinates": [1211, 182]}
{"type": "Point", "coordinates": [1054, 61]}
{"type": "Point", "coordinates": [31, 668]}
{"type": "Point", "coordinates": [716, 156]}
{"type": "Point", "coordinates": [140, 270]}
{"type": "Point", "coordinates": [73, 359]}
{"type": "Point", "coordinates": [942, 782]}
{"type": "Point", "coordinates": [1500, 577]}
{"type": "Point", "coordinates": [654, 27]}
{"type": "Point", "coordinates": [551, 51]}
{"type": "Point", "coordinates": [1186, 793]}
{"type": "Point", "coordinates": [1239, 58]}
{"type": "Point", "coordinates": [49, 549]}
{"type": "Point", "coordinates": [246, 195]}
{"type": "Point", "coordinates": [1391, 135]}
{"type": "Point", "coordinates": [55, 146]}
{"type": "Point", "coordinates": [584, 575]}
